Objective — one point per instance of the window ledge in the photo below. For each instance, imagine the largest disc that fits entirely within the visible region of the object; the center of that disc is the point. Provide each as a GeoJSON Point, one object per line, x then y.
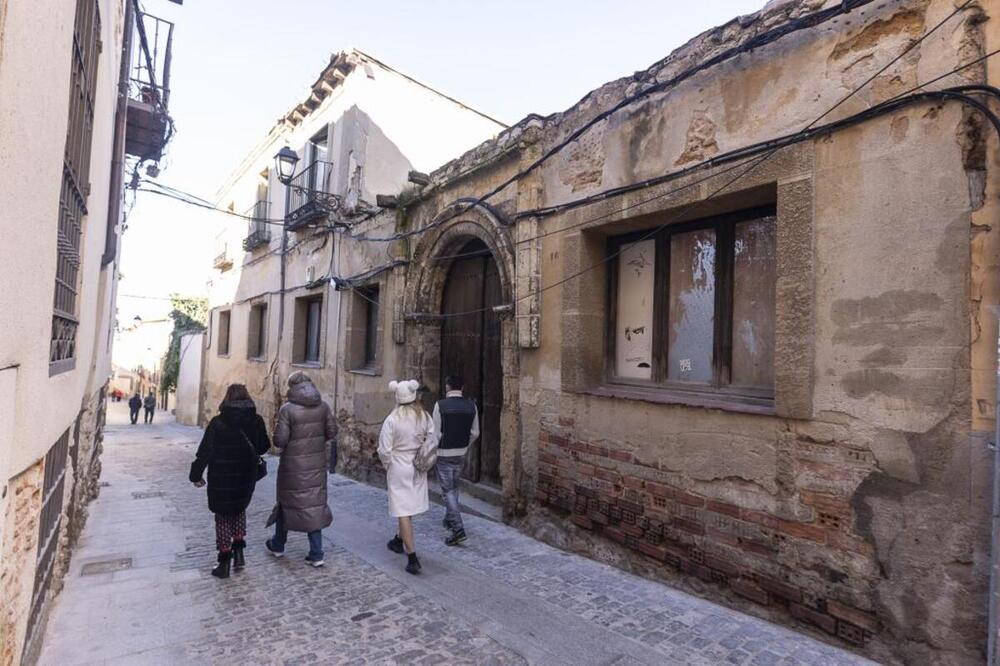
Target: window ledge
{"type": "Point", "coordinates": [307, 364]}
{"type": "Point", "coordinates": [257, 359]}
{"type": "Point", "coordinates": [368, 372]}
{"type": "Point", "coordinates": [59, 367]}
{"type": "Point", "coordinates": [729, 403]}
{"type": "Point", "coordinates": [223, 355]}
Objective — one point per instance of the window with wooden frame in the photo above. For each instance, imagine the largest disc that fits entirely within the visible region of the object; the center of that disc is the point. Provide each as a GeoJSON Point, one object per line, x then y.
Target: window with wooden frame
{"type": "Point", "coordinates": [692, 307]}
{"type": "Point", "coordinates": [306, 344]}
{"type": "Point", "coordinates": [222, 347]}
{"type": "Point", "coordinates": [257, 332]}
{"type": "Point", "coordinates": [364, 333]}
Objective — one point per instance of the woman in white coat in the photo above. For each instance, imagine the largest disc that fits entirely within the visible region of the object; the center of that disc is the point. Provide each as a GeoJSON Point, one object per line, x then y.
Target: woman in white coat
{"type": "Point", "coordinates": [407, 432]}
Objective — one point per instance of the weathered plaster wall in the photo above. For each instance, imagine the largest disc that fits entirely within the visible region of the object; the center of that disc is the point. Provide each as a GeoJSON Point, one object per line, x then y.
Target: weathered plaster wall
{"type": "Point", "coordinates": [870, 474]}
{"type": "Point", "coordinates": [29, 224]}
{"type": "Point", "coordinates": [188, 392]}
{"type": "Point", "coordinates": [388, 124]}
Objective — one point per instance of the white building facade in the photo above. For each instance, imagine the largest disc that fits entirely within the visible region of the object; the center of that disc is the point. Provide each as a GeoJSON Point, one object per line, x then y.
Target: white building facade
{"type": "Point", "coordinates": [273, 307]}
{"type": "Point", "coordinates": [66, 113]}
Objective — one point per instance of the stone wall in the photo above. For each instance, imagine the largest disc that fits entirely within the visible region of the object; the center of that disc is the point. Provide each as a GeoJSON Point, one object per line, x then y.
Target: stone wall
{"type": "Point", "coordinates": [868, 473]}
{"type": "Point", "coordinates": [18, 560]}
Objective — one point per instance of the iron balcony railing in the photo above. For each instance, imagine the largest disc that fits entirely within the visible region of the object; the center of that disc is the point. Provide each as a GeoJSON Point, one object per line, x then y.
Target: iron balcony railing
{"type": "Point", "coordinates": [310, 196]}
{"type": "Point", "coordinates": [148, 125]}
{"type": "Point", "coordinates": [152, 49]}
{"type": "Point", "coordinates": [222, 261]}
{"type": "Point", "coordinates": [260, 232]}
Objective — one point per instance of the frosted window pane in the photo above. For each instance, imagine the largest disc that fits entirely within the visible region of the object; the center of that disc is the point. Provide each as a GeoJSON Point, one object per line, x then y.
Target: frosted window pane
{"type": "Point", "coordinates": [634, 338]}
{"type": "Point", "coordinates": [692, 306]}
{"type": "Point", "coordinates": [753, 304]}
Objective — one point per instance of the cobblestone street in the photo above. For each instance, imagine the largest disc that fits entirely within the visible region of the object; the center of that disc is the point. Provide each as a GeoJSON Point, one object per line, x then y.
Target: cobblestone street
{"type": "Point", "coordinates": [139, 591]}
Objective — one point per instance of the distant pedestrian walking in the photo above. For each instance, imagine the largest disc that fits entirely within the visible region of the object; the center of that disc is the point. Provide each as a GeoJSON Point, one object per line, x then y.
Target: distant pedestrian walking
{"type": "Point", "coordinates": [231, 449]}
{"type": "Point", "coordinates": [149, 404]}
{"type": "Point", "coordinates": [456, 422]}
{"type": "Point", "coordinates": [134, 405]}
{"type": "Point", "coordinates": [405, 447]}
{"type": "Point", "coordinates": [305, 436]}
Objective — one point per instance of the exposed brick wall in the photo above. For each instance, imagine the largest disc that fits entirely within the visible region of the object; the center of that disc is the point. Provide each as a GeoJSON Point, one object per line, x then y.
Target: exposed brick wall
{"type": "Point", "coordinates": [769, 559]}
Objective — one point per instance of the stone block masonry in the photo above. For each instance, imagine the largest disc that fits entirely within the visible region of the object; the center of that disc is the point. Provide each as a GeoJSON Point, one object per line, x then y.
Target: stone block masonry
{"type": "Point", "coordinates": [792, 565]}
{"type": "Point", "coordinates": [18, 558]}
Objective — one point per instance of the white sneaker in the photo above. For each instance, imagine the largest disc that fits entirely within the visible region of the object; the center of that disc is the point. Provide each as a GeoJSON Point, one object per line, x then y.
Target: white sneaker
{"type": "Point", "coordinates": [276, 553]}
{"type": "Point", "coordinates": [315, 563]}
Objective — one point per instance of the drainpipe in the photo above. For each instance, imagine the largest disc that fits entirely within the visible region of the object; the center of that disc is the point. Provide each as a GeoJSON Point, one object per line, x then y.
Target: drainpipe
{"type": "Point", "coordinates": [991, 649]}
{"type": "Point", "coordinates": [338, 367]}
{"type": "Point", "coordinates": [115, 193]}
{"type": "Point", "coordinates": [275, 379]}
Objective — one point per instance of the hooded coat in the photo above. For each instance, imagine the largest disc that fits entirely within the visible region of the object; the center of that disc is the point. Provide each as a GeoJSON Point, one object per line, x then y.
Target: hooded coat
{"type": "Point", "coordinates": [231, 459]}
{"type": "Point", "coordinates": [405, 433]}
{"type": "Point", "coordinates": [305, 429]}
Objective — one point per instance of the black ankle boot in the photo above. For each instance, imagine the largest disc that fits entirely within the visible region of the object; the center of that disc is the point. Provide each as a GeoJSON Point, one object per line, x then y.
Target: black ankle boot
{"type": "Point", "coordinates": [413, 564]}
{"type": "Point", "coordinates": [239, 561]}
{"type": "Point", "coordinates": [222, 569]}
{"type": "Point", "coordinates": [395, 545]}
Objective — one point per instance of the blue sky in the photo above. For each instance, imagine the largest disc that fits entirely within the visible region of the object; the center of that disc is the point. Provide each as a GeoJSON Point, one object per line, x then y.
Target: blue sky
{"type": "Point", "coordinates": [239, 65]}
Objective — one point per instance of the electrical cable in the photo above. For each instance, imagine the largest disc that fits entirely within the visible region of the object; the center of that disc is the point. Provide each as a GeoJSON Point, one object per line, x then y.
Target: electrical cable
{"type": "Point", "coordinates": [684, 210]}
{"type": "Point", "coordinates": [765, 38]}
{"type": "Point", "coordinates": [772, 147]}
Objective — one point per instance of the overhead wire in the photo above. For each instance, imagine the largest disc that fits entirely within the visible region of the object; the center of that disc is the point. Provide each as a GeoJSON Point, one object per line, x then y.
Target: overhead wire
{"type": "Point", "coordinates": [754, 42]}
{"type": "Point", "coordinates": [686, 209]}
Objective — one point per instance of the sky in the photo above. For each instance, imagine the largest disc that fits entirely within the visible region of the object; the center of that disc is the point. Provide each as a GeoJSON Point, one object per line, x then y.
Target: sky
{"type": "Point", "coordinates": [240, 64]}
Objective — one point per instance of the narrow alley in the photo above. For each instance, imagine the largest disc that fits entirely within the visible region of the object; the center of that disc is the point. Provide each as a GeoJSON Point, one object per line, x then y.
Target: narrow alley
{"type": "Point", "coordinates": [139, 589]}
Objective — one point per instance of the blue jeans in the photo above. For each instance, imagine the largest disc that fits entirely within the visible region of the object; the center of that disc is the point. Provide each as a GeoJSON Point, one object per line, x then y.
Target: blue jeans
{"type": "Point", "coordinates": [281, 536]}
{"type": "Point", "coordinates": [449, 473]}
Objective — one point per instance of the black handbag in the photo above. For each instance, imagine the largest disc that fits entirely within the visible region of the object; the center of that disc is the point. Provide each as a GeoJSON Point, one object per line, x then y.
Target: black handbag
{"type": "Point", "coordinates": [261, 463]}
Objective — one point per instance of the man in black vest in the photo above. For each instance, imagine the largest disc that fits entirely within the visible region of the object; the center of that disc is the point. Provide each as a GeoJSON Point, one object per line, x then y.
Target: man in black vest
{"type": "Point", "coordinates": [456, 422]}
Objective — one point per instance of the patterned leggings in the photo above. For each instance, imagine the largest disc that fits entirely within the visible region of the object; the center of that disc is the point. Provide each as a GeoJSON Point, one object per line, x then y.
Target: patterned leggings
{"type": "Point", "coordinates": [229, 527]}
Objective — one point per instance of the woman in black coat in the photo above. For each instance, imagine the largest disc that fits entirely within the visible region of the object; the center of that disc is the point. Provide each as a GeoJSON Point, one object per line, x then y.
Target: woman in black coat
{"type": "Point", "coordinates": [230, 449]}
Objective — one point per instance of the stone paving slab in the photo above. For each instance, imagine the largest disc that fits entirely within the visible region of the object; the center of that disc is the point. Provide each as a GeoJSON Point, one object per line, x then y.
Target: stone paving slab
{"type": "Point", "coordinates": [502, 599]}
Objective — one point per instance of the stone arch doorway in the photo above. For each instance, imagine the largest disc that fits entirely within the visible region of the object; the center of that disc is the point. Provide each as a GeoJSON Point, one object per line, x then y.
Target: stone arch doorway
{"type": "Point", "coordinates": [471, 343]}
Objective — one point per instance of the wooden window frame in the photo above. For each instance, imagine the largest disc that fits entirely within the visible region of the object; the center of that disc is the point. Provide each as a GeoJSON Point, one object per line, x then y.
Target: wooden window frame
{"type": "Point", "coordinates": [227, 317]}
{"type": "Point", "coordinates": [257, 325]}
{"type": "Point", "coordinates": [724, 226]}
{"type": "Point", "coordinates": [300, 338]}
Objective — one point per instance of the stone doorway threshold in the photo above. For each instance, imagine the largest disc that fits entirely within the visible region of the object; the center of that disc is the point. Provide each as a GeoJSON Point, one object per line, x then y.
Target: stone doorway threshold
{"type": "Point", "coordinates": [477, 499]}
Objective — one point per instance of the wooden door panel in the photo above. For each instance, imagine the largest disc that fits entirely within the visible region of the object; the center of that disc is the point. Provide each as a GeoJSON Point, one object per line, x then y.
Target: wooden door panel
{"type": "Point", "coordinates": [492, 379]}
{"type": "Point", "coordinates": [471, 347]}
{"type": "Point", "coordinates": [461, 336]}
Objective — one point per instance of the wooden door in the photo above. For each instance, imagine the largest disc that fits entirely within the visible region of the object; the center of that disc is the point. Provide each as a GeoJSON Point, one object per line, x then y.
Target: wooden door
{"type": "Point", "coordinates": [470, 347]}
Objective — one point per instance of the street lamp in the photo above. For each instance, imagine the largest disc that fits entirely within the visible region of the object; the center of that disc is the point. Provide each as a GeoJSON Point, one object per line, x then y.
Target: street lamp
{"type": "Point", "coordinates": [284, 164]}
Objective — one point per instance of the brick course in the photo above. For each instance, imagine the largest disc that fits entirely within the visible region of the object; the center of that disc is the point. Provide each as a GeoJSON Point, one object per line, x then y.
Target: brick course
{"type": "Point", "coordinates": [744, 549]}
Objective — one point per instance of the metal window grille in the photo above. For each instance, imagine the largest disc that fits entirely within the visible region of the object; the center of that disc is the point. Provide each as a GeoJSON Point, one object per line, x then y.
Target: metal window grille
{"type": "Point", "coordinates": [76, 178]}
{"type": "Point", "coordinates": [49, 520]}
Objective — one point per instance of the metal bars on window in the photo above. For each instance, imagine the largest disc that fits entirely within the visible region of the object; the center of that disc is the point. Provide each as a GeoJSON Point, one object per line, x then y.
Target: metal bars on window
{"type": "Point", "coordinates": [53, 490]}
{"type": "Point", "coordinates": [75, 181]}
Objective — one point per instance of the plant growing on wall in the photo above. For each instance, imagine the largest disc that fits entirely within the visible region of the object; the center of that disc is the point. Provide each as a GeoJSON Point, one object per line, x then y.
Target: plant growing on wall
{"type": "Point", "coordinates": [190, 316]}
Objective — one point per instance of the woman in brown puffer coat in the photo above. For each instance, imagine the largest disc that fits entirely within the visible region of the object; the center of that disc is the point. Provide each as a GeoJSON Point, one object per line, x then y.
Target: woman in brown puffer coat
{"type": "Point", "coordinates": [305, 433]}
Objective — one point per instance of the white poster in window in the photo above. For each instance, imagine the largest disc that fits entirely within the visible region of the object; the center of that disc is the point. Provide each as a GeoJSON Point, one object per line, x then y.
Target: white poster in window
{"type": "Point", "coordinates": [634, 335]}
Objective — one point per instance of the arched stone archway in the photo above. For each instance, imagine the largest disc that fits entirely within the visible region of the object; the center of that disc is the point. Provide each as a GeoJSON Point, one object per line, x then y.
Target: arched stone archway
{"type": "Point", "coordinates": [438, 255]}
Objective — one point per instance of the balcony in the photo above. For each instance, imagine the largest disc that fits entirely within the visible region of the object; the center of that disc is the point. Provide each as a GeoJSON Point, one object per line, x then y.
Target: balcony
{"type": "Point", "coordinates": [222, 261]}
{"type": "Point", "coordinates": [260, 234]}
{"type": "Point", "coordinates": [309, 197]}
{"type": "Point", "coordinates": [147, 124]}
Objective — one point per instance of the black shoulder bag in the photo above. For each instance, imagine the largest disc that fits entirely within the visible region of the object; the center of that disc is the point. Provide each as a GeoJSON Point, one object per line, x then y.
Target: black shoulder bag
{"type": "Point", "coordinates": [261, 463]}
